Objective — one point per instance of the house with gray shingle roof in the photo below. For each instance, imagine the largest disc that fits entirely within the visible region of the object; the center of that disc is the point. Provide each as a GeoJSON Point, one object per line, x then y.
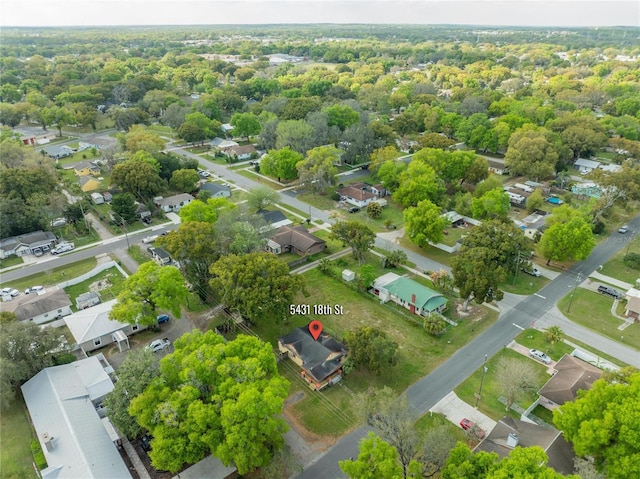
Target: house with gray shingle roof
{"type": "Point", "coordinates": [39, 308]}
{"type": "Point", "coordinates": [295, 239]}
{"type": "Point", "coordinates": [321, 360]}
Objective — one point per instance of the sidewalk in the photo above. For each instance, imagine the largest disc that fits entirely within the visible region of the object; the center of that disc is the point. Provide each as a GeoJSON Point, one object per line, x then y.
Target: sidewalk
{"type": "Point", "coordinates": [610, 280]}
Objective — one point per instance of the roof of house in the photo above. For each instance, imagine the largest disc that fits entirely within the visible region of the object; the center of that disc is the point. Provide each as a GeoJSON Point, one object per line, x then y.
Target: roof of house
{"type": "Point", "coordinates": [160, 253]}
{"type": "Point", "coordinates": [53, 150]}
{"type": "Point", "coordinates": [59, 400]}
{"type": "Point", "coordinates": [296, 236]}
{"type": "Point", "coordinates": [210, 467]}
{"type": "Point", "coordinates": [93, 322]}
{"type": "Point", "coordinates": [214, 187]}
{"type": "Point", "coordinates": [551, 440]}
{"type": "Point", "coordinates": [83, 180]}
{"type": "Point", "coordinates": [222, 143]}
{"type": "Point", "coordinates": [242, 149]}
{"type": "Point", "coordinates": [415, 293]}
{"type": "Point", "coordinates": [175, 199]}
{"type": "Point", "coordinates": [34, 238]}
{"type": "Point", "coordinates": [272, 217]}
{"type": "Point", "coordinates": [32, 305]}
{"type": "Point", "coordinates": [572, 375]}
{"type": "Point", "coordinates": [320, 358]}
{"type": "Point", "coordinates": [357, 191]}
{"type": "Point", "coordinates": [633, 300]}
{"type": "Point", "coordinates": [587, 163]}
{"type": "Point", "coordinates": [498, 165]}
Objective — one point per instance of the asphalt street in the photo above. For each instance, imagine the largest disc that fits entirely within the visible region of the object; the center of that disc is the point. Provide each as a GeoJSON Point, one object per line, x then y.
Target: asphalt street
{"type": "Point", "coordinates": [426, 392]}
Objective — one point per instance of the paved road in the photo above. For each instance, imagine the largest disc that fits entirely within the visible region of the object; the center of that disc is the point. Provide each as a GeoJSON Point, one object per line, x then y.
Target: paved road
{"type": "Point", "coordinates": [426, 392]}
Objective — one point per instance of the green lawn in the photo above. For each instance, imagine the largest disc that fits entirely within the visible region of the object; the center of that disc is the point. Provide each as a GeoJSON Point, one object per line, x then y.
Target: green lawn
{"type": "Point", "coordinates": [15, 436]}
{"type": "Point", "coordinates": [489, 403]}
{"type": "Point", "coordinates": [260, 179]}
{"type": "Point", "coordinates": [434, 420]}
{"type": "Point", "coordinates": [138, 255]}
{"type": "Point", "coordinates": [358, 310]}
{"type": "Point", "coordinates": [112, 275]}
{"type": "Point", "coordinates": [593, 310]}
{"type": "Point", "coordinates": [54, 276]}
{"type": "Point", "coordinates": [430, 252]}
{"type": "Point", "coordinates": [534, 339]}
{"type": "Point", "coordinates": [78, 157]}
{"type": "Point", "coordinates": [11, 261]}
{"type": "Point", "coordinates": [616, 268]}
{"type": "Point", "coordinates": [524, 283]}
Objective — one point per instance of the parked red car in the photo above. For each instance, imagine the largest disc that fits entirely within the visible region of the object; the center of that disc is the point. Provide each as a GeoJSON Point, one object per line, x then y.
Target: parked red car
{"type": "Point", "coordinates": [468, 424]}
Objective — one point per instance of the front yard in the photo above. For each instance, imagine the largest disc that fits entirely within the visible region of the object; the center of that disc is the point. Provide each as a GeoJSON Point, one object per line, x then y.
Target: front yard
{"type": "Point", "coordinates": [593, 310]}
{"type": "Point", "coordinates": [491, 391]}
{"type": "Point", "coordinates": [53, 276]}
{"type": "Point", "coordinates": [616, 268]}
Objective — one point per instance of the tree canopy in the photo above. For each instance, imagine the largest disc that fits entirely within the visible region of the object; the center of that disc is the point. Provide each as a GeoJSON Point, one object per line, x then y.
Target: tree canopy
{"type": "Point", "coordinates": [150, 290]}
{"type": "Point", "coordinates": [214, 396]}
{"type": "Point", "coordinates": [355, 234]}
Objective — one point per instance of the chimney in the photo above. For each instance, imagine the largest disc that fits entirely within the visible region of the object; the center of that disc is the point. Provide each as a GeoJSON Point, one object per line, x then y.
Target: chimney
{"type": "Point", "coordinates": [413, 299]}
{"type": "Point", "coordinates": [512, 440]}
{"type": "Point", "coordinates": [48, 441]}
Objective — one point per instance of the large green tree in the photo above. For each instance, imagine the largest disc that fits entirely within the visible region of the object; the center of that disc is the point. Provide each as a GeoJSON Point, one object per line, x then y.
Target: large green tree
{"type": "Point", "coordinates": [604, 422]}
{"type": "Point", "coordinates": [135, 374]}
{"type": "Point", "coordinates": [418, 182]}
{"type": "Point", "coordinates": [194, 246]}
{"type": "Point", "coordinates": [208, 211]}
{"type": "Point", "coordinates": [569, 236]}
{"type": "Point", "coordinates": [150, 290]}
{"type": "Point", "coordinates": [281, 164]}
{"type": "Point", "coordinates": [214, 396]}
{"type": "Point", "coordinates": [184, 180]}
{"type": "Point", "coordinates": [493, 204]}
{"type": "Point", "coordinates": [124, 207]}
{"type": "Point", "coordinates": [257, 285]}
{"type": "Point", "coordinates": [355, 234]}
{"type": "Point", "coordinates": [245, 124]}
{"type": "Point", "coordinates": [376, 459]}
{"type": "Point", "coordinates": [371, 348]}
{"type": "Point", "coordinates": [531, 153]}
{"type": "Point", "coordinates": [25, 349]}
{"type": "Point", "coordinates": [138, 177]}
{"type": "Point", "coordinates": [423, 223]}
{"type": "Point", "coordinates": [318, 170]}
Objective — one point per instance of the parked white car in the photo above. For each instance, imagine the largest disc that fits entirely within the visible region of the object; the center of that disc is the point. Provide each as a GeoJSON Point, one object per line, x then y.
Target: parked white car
{"type": "Point", "coordinates": [10, 292]}
{"type": "Point", "coordinates": [34, 289]}
{"type": "Point", "coordinates": [540, 356]}
{"type": "Point", "coordinates": [158, 345]}
{"type": "Point", "coordinates": [149, 239]}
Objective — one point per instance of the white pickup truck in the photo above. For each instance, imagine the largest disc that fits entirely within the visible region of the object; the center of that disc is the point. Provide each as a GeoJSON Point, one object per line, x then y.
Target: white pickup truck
{"type": "Point", "coordinates": [63, 248]}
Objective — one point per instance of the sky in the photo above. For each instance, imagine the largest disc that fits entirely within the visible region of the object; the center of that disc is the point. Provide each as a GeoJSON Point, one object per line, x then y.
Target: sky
{"type": "Point", "coordinates": [568, 13]}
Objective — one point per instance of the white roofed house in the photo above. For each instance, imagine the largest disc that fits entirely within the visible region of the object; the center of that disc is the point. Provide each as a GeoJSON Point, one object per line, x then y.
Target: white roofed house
{"type": "Point", "coordinates": [62, 402]}
{"type": "Point", "coordinates": [173, 203]}
{"type": "Point", "coordinates": [92, 329]}
{"type": "Point", "coordinates": [585, 166]}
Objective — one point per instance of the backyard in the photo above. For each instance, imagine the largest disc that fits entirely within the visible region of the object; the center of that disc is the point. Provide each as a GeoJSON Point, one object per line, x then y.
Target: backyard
{"type": "Point", "coordinates": [593, 310]}
{"type": "Point", "coordinates": [15, 454]}
{"type": "Point", "coordinates": [107, 283]}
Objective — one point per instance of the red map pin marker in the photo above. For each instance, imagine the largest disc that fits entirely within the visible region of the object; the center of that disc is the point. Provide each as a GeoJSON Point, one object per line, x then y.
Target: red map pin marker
{"type": "Point", "coordinates": [315, 328]}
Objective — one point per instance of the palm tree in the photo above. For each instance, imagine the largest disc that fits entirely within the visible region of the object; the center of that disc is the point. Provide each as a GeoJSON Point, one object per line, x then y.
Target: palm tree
{"type": "Point", "coordinates": [553, 334]}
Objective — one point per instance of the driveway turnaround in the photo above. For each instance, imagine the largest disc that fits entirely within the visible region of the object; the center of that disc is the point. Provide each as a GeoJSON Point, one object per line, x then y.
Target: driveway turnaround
{"type": "Point", "coordinates": [455, 409]}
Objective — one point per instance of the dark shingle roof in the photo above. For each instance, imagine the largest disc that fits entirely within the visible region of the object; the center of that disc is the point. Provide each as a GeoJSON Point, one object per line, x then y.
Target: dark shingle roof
{"type": "Point", "coordinates": [320, 358]}
{"type": "Point", "coordinates": [572, 375]}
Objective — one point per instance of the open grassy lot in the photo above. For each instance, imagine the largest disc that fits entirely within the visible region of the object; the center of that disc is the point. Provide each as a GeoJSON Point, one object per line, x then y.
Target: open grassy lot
{"type": "Point", "coordinates": [53, 276]}
{"type": "Point", "coordinates": [15, 436]}
{"type": "Point", "coordinates": [489, 403]}
{"type": "Point", "coordinates": [616, 268]}
{"type": "Point", "coordinates": [593, 310]}
{"type": "Point", "coordinates": [138, 254]}
{"type": "Point", "coordinates": [251, 174]}
{"type": "Point", "coordinates": [109, 276]}
{"type": "Point", "coordinates": [419, 353]}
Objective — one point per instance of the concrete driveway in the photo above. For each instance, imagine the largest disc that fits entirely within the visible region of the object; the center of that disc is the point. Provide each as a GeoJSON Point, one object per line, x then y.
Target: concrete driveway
{"type": "Point", "coordinates": [455, 409]}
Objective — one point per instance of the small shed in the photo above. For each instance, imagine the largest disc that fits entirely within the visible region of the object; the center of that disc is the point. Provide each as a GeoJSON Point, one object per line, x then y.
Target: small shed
{"type": "Point", "coordinates": [348, 275]}
{"type": "Point", "coordinates": [97, 198]}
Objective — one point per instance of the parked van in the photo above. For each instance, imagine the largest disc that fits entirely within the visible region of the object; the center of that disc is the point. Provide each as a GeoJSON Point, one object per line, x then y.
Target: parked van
{"type": "Point", "coordinates": [614, 293]}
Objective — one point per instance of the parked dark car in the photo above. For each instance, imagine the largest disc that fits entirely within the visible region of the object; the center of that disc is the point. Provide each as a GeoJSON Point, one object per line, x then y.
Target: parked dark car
{"type": "Point", "coordinates": [145, 442]}
{"type": "Point", "coordinates": [163, 318]}
{"type": "Point", "coordinates": [354, 209]}
{"type": "Point", "coordinates": [606, 290]}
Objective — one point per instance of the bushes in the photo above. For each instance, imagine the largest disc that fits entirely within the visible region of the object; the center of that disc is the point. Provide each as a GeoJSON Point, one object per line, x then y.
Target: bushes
{"type": "Point", "coordinates": [38, 455]}
{"type": "Point", "coordinates": [632, 260]}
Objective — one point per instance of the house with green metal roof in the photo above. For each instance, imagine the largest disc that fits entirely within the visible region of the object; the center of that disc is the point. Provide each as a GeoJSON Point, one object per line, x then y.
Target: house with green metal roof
{"type": "Point", "coordinates": [409, 294]}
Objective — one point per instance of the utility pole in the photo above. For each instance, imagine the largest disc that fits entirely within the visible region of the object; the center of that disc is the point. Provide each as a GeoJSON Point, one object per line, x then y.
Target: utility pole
{"type": "Point", "coordinates": [484, 371]}
{"type": "Point", "coordinates": [578, 281]}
